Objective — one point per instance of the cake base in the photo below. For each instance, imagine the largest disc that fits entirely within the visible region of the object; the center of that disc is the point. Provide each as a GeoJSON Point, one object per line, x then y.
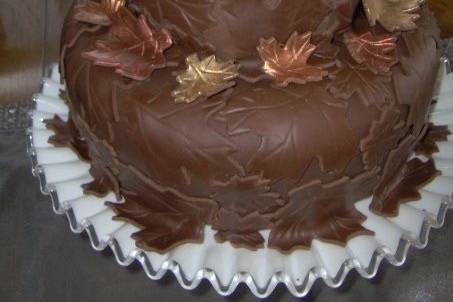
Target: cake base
{"type": "Point", "coordinates": [61, 175]}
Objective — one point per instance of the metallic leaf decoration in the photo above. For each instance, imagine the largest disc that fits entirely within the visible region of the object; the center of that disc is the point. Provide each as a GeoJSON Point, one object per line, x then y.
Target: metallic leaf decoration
{"type": "Point", "coordinates": [376, 52]}
{"type": "Point", "coordinates": [204, 78]}
{"type": "Point", "coordinates": [97, 13]}
{"type": "Point", "coordinates": [393, 15]}
{"type": "Point", "coordinates": [133, 48]}
{"type": "Point", "coordinates": [288, 63]}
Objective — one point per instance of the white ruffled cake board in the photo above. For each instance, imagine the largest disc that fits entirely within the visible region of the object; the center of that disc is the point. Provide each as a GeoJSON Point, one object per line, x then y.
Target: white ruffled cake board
{"type": "Point", "coordinates": [61, 175]}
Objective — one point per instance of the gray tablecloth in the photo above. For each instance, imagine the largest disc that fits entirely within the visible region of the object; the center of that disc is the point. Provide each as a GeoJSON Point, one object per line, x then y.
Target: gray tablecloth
{"type": "Point", "coordinates": [41, 260]}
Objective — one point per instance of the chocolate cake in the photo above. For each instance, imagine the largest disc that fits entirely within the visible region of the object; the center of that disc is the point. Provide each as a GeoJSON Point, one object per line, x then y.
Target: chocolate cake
{"type": "Point", "coordinates": [251, 115]}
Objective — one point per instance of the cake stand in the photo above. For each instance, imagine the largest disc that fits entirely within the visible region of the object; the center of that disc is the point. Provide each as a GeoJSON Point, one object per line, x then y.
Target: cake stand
{"type": "Point", "coordinates": [61, 175]}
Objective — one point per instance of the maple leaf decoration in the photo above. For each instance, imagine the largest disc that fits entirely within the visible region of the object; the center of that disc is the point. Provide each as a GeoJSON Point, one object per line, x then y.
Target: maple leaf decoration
{"type": "Point", "coordinates": [373, 89]}
{"type": "Point", "coordinates": [404, 187]}
{"type": "Point", "coordinates": [321, 211]}
{"type": "Point", "coordinates": [376, 52]}
{"type": "Point", "coordinates": [240, 231]}
{"type": "Point", "coordinates": [205, 77]}
{"type": "Point", "coordinates": [97, 13]}
{"type": "Point", "coordinates": [393, 15]}
{"type": "Point", "coordinates": [428, 144]}
{"type": "Point", "coordinates": [133, 49]}
{"type": "Point", "coordinates": [245, 195]}
{"type": "Point", "coordinates": [288, 63]}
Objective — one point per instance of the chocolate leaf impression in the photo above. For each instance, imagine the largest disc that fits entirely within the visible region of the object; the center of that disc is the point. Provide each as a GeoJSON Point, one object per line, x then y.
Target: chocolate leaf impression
{"type": "Point", "coordinates": [97, 13]}
{"type": "Point", "coordinates": [376, 52]}
{"type": "Point", "coordinates": [288, 63]}
{"type": "Point", "coordinates": [404, 187]}
{"type": "Point", "coordinates": [373, 89]}
{"type": "Point", "coordinates": [428, 144]}
{"type": "Point", "coordinates": [383, 137]}
{"type": "Point", "coordinates": [133, 48]}
{"type": "Point", "coordinates": [190, 15]}
{"type": "Point", "coordinates": [67, 135]}
{"type": "Point", "coordinates": [240, 231]}
{"type": "Point", "coordinates": [279, 153]}
{"type": "Point", "coordinates": [205, 77]}
{"type": "Point", "coordinates": [393, 15]}
{"type": "Point", "coordinates": [250, 240]}
{"type": "Point", "coordinates": [166, 223]}
{"type": "Point", "coordinates": [321, 211]}
{"type": "Point", "coordinates": [103, 183]}
{"type": "Point", "coordinates": [245, 195]}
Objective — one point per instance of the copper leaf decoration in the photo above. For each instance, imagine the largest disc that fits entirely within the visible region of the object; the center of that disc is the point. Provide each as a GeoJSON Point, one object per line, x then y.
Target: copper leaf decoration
{"type": "Point", "coordinates": [97, 13]}
{"type": "Point", "coordinates": [204, 78]}
{"type": "Point", "coordinates": [133, 49]}
{"type": "Point", "coordinates": [288, 63]}
{"type": "Point", "coordinates": [376, 52]}
{"type": "Point", "coordinates": [393, 15]}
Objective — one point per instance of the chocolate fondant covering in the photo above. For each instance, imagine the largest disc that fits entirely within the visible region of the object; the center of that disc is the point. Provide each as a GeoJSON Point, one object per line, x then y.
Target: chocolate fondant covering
{"type": "Point", "coordinates": [254, 157]}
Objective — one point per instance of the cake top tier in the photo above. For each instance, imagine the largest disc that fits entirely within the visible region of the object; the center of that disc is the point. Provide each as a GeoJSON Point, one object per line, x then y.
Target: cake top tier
{"type": "Point", "coordinates": [234, 27]}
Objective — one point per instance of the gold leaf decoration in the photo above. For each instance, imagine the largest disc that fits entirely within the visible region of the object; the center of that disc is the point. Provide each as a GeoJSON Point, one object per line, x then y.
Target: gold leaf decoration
{"type": "Point", "coordinates": [393, 15]}
{"type": "Point", "coordinates": [205, 77]}
{"type": "Point", "coordinates": [287, 63]}
{"type": "Point", "coordinates": [98, 13]}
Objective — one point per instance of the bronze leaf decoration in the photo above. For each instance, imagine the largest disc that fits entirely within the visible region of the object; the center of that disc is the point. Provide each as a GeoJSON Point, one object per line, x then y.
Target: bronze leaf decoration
{"type": "Point", "coordinates": [133, 48]}
{"type": "Point", "coordinates": [288, 63]}
{"type": "Point", "coordinates": [393, 15]}
{"type": "Point", "coordinates": [97, 13]}
{"type": "Point", "coordinates": [205, 78]}
{"type": "Point", "coordinates": [376, 52]}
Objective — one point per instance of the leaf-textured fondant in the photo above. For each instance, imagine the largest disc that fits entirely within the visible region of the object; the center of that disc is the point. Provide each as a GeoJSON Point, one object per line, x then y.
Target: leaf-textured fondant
{"type": "Point", "coordinates": [278, 154]}
{"type": "Point", "coordinates": [240, 231]}
{"type": "Point", "coordinates": [373, 89]}
{"type": "Point", "coordinates": [188, 16]}
{"type": "Point", "coordinates": [383, 137]}
{"type": "Point", "coordinates": [133, 49]}
{"type": "Point", "coordinates": [245, 195]}
{"type": "Point", "coordinates": [205, 77]}
{"type": "Point", "coordinates": [323, 212]}
{"type": "Point", "coordinates": [98, 13]}
{"type": "Point", "coordinates": [404, 187]}
{"type": "Point", "coordinates": [288, 63]}
{"type": "Point", "coordinates": [428, 145]}
{"type": "Point", "coordinates": [377, 52]}
{"type": "Point", "coordinates": [393, 15]}
{"type": "Point", "coordinates": [103, 182]}
{"type": "Point", "coordinates": [165, 221]}
{"type": "Point", "coordinates": [67, 135]}
{"type": "Point", "coordinates": [250, 240]}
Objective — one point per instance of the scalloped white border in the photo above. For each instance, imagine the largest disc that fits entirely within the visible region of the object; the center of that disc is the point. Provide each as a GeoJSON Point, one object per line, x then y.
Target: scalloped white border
{"type": "Point", "coordinates": [329, 262]}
